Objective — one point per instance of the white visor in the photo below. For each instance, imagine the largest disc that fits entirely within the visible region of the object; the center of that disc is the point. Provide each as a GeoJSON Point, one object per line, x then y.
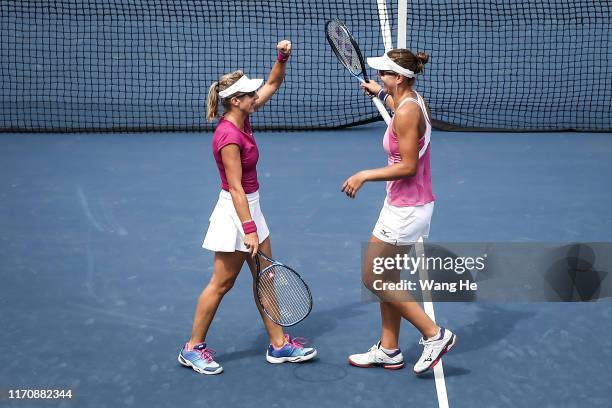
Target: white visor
{"type": "Point", "coordinates": [385, 63]}
{"type": "Point", "coordinates": [243, 85]}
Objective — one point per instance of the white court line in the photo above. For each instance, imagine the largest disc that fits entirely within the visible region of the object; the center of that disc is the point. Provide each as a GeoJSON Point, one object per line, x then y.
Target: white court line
{"type": "Point", "coordinates": [429, 309]}
{"type": "Point", "coordinates": [385, 29]}
{"type": "Point", "coordinates": [402, 17]}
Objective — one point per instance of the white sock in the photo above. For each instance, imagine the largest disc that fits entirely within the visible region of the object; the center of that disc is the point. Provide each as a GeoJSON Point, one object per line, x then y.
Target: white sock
{"type": "Point", "coordinates": [388, 351]}
{"type": "Point", "coordinates": [435, 336]}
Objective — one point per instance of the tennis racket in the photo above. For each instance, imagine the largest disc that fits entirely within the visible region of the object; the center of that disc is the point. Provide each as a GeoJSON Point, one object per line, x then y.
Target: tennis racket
{"type": "Point", "coordinates": [346, 49]}
{"type": "Point", "coordinates": [282, 293]}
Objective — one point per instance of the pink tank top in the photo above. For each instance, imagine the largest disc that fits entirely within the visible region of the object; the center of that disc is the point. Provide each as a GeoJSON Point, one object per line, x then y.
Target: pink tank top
{"type": "Point", "coordinates": [227, 133]}
{"type": "Point", "coordinates": [415, 190]}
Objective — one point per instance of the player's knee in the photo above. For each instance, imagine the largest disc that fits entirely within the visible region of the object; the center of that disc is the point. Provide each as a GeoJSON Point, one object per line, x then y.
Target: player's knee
{"type": "Point", "coordinates": [367, 279]}
{"type": "Point", "coordinates": [222, 286]}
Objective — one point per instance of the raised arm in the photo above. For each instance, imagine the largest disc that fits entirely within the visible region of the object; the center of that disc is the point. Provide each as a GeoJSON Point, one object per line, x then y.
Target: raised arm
{"type": "Point", "coordinates": [277, 75]}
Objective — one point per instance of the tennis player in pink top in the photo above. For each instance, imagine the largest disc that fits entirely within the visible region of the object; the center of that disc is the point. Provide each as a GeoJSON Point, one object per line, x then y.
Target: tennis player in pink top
{"type": "Point", "coordinates": [406, 213]}
{"type": "Point", "coordinates": [237, 227]}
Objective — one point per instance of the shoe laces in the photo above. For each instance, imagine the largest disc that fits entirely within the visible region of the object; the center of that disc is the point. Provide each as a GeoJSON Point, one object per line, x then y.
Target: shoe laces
{"type": "Point", "coordinates": [428, 342]}
{"type": "Point", "coordinates": [297, 342]}
{"type": "Point", "coordinates": [428, 346]}
{"type": "Point", "coordinates": [206, 354]}
{"type": "Point", "coordinates": [372, 351]}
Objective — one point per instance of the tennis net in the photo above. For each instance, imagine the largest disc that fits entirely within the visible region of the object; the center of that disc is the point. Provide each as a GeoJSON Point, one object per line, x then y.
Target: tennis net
{"type": "Point", "coordinates": [122, 65]}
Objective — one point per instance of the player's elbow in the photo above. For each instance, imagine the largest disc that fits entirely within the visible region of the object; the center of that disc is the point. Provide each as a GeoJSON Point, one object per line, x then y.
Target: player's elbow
{"type": "Point", "coordinates": [409, 169]}
{"type": "Point", "coordinates": [276, 82]}
{"type": "Point", "coordinates": [411, 173]}
{"type": "Point", "coordinates": [235, 188]}
{"type": "Point", "coordinates": [275, 85]}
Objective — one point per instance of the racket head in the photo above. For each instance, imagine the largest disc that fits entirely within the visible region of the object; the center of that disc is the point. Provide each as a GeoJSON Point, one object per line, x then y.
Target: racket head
{"type": "Point", "coordinates": [345, 47]}
{"type": "Point", "coordinates": [283, 295]}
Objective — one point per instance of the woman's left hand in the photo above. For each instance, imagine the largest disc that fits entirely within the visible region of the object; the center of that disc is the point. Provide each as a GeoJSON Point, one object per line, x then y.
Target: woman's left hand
{"type": "Point", "coordinates": [353, 184]}
{"type": "Point", "coordinates": [284, 47]}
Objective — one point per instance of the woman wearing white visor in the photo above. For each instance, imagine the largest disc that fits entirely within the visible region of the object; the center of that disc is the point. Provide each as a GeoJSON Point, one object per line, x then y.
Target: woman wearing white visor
{"type": "Point", "coordinates": [237, 227]}
{"type": "Point", "coordinates": [406, 213]}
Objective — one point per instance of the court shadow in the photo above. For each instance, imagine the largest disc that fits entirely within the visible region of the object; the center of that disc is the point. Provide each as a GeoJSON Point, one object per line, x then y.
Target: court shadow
{"type": "Point", "coordinates": [320, 372]}
{"type": "Point", "coordinates": [449, 371]}
{"type": "Point", "coordinates": [493, 324]}
{"type": "Point", "coordinates": [254, 351]}
{"type": "Point", "coordinates": [324, 321]}
{"type": "Point", "coordinates": [316, 324]}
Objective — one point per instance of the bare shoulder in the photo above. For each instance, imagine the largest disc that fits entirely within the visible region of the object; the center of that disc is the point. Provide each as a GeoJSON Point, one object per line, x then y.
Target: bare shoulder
{"type": "Point", "coordinates": [409, 114]}
{"type": "Point", "coordinates": [408, 109]}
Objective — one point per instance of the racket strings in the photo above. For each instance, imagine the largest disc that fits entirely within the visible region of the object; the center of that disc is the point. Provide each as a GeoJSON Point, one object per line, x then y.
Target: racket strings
{"type": "Point", "coordinates": [284, 295]}
{"type": "Point", "coordinates": [345, 50]}
{"type": "Point", "coordinates": [284, 288]}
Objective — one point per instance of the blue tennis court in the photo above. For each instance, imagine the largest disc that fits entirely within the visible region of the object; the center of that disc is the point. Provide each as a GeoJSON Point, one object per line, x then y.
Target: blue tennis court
{"type": "Point", "coordinates": [101, 265]}
{"type": "Point", "coordinates": [109, 183]}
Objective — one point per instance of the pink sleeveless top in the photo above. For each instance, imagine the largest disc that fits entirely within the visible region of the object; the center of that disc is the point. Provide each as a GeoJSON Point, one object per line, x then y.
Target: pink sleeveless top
{"type": "Point", "coordinates": [415, 190]}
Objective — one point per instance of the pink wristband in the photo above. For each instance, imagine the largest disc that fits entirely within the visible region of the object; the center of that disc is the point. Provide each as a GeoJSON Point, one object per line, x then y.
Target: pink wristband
{"type": "Point", "coordinates": [282, 58]}
{"type": "Point", "coordinates": [249, 227]}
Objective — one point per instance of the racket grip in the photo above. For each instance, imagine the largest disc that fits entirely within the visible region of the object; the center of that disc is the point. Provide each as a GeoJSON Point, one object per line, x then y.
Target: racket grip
{"type": "Point", "coordinates": [381, 108]}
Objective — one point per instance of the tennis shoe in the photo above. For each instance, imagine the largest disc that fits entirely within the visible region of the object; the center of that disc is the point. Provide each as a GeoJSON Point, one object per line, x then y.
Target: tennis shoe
{"type": "Point", "coordinates": [200, 359]}
{"type": "Point", "coordinates": [434, 349]}
{"type": "Point", "coordinates": [377, 357]}
{"type": "Point", "coordinates": [293, 351]}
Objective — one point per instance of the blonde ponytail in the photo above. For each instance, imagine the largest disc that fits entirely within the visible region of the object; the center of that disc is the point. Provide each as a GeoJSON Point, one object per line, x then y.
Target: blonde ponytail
{"type": "Point", "coordinates": [213, 101]}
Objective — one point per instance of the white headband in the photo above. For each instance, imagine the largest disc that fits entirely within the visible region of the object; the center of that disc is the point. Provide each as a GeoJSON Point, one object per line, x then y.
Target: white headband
{"type": "Point", "coordinates": [243, 85]}
{"type": "Point", "coordinates": [385, 63]}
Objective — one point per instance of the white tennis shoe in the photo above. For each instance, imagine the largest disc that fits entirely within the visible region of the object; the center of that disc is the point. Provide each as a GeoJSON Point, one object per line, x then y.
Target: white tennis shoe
{"type": "Point", "coordinates": [376, 357]}
{"type": "Point", "coordinates": [434, 349]}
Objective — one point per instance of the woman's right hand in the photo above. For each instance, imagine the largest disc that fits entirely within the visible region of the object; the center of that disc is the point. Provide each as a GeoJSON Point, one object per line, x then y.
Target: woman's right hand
{"type": "Point", "coordinates": [370, 88]}
{"type": "Point", "coordinates": [251, 241]}
{"type": "Point", "coordinates": [284, 47]}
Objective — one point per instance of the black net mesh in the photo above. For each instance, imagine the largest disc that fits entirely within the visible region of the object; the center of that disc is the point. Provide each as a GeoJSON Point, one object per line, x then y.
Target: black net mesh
{"type": "Point", "coordinates": [72, 65]}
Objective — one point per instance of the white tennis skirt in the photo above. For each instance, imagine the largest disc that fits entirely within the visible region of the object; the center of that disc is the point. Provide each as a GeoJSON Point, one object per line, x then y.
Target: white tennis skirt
{"type": "Point", "coordinates": [225, 229]}
{"type": "Point", "coordinates": [403, 225]}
